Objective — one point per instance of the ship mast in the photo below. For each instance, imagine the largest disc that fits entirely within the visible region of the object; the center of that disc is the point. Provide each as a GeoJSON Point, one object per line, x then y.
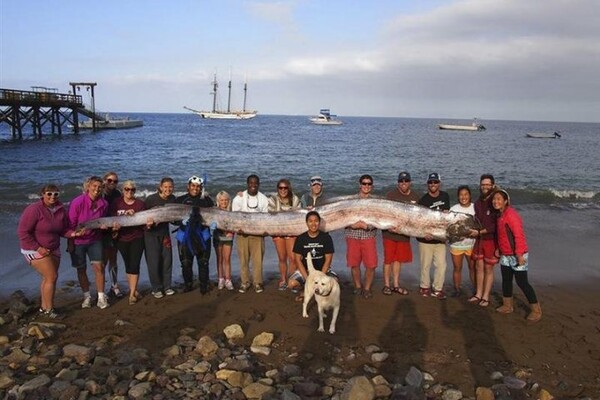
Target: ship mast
{"type": "Point", "coordinates": [229, 94]}
{"type": "Point", "coordinates": [214, 93]}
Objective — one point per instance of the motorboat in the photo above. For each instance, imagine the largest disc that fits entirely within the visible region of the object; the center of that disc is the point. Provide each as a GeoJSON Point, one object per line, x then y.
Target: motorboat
{"type": "Point", "coordinates": [325, 118]}
{"type": "Point", "coordinates": [543, 135]}
{"type": "Point", "coordinates": [473, 128]}
{"type": "Point", "coordinates": [215, 113]}
{"type": "Point", "coordinates": [109, 122]}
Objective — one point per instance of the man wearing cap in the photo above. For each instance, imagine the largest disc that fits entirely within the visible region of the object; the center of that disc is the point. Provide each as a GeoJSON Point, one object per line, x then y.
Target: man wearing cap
{"type": "Point", "coordinates": [315, 197]}
{"type": "Point", "coordinates": [433, 251]}
{"type": "Point", "coordinates": [251, 248]}
{"type": "Point", "coordinates": [192, 238]}
{"type": "Point", "coordinates": [396, 247]}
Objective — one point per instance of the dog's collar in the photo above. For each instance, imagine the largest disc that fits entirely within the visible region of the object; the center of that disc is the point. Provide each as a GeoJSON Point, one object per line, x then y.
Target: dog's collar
{"type": "Point", "coordinates": [323, 295]}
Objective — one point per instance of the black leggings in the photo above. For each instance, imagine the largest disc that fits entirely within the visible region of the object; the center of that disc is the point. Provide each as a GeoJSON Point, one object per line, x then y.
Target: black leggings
{"type": "Point", "coordinates": [522, 282]}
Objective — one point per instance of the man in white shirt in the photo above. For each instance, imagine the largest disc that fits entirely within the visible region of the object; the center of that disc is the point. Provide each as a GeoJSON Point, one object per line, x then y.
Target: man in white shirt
{"type": "Point", "coordinates": [251, 248]}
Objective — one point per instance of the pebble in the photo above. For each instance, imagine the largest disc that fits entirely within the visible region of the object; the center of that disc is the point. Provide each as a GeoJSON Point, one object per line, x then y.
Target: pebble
{"type": "Point", "coordinates": [216, 367]}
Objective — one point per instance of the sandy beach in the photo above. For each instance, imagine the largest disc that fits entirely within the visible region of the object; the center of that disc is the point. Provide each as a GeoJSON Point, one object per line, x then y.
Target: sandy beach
{"type": "Point", "coordinates": [456, 342]}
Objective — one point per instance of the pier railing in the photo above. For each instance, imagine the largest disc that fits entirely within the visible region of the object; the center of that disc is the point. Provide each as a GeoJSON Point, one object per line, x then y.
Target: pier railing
{"type": "Point", "coordinates": [43, 99]}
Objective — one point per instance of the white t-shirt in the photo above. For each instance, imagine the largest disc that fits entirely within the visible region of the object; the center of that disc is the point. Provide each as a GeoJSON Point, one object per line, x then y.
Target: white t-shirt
{"type": "Point", "coordinates": [247, 203]}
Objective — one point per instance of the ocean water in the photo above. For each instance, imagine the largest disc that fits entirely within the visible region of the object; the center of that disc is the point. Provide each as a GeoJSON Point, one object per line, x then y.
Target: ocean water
{"type": "Point", "coordinates": [554, 183]}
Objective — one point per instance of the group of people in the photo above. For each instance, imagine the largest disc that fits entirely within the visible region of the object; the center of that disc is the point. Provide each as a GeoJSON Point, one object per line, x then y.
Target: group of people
{"type": "Point", "coordinates": [501, 239]}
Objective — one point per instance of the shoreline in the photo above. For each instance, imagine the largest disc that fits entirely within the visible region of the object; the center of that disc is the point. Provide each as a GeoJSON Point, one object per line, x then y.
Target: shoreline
{"type": "Point", "coordinates": [454, 341]}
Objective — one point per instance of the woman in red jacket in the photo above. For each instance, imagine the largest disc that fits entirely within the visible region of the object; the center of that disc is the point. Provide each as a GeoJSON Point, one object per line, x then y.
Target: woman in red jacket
{"type": "Point", "coordinates": [513, 252]}
{"type": "Point", "coordinates": [40, 228]}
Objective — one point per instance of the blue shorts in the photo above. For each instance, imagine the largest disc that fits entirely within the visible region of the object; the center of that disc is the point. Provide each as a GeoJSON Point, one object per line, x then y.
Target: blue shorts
{"type": "Point", "coordinates": [92, 250]}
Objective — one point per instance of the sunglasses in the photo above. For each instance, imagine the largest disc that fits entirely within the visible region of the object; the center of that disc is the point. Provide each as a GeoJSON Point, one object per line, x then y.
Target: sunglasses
{"type": "Point", "coordinates": [433, 182]}
{"type": "Point", "coordinates": [110, 180]}
{"type": "Point", "coordinates": [283, 188]}
{"type": "Point", "coordinates": [129, 189]}
{"type": "Point", "coordinates": [404, 181]}
{"type": "Point", "coordinates": [51, 194]}
{"type": "Point", "coordinates": [367, 183]}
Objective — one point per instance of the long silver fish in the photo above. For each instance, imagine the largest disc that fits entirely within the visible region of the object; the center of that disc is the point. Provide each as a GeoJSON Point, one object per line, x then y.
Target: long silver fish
{"type": "Point", "coordinates": [408, 219]}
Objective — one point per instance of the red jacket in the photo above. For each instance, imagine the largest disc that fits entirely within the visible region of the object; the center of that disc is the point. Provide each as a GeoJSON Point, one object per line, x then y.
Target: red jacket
{"type": "Point", "coordinates": [511, 218]}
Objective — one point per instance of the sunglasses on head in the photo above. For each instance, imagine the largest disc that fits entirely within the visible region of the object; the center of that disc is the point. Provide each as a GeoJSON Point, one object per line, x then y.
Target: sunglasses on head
{"type": "Point", "coordinates": [110, 180]}
{"type": "Point", "coordinates": [51, 194]}
{"type": "Point", "coordinates": [129, 189]}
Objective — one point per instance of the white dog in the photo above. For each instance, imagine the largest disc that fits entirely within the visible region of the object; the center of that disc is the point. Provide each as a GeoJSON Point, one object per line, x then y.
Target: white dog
{"type": "Point", "coordinates": [326, 290]}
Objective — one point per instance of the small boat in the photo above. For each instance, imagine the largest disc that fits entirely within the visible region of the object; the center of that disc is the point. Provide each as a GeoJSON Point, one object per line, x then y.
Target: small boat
{"type": "Point", "coordinates": [325, 118]}
{"type": "Point", "coordinates": [474, 127]}
{"type": "Point", "coordinates": [229, 114]}
{"type": "Point", "coordinates": [543, 135]}
{"type": "Point", "coordinates": [111, 123]}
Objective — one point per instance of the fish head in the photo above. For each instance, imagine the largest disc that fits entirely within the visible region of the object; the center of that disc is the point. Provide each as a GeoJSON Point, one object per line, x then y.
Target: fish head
{"type": "Point", "coordinates": [461, 228]}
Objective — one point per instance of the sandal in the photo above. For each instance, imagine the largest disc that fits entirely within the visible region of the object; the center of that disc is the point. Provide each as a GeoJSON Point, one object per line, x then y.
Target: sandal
{"type": "Point", "coordinates": [474, 299]}
{"type": "Point", "coordinates": [367, 294]}
{"type": "Point", "coordinates": [282, 285]}
{"type": "Point", "coordinates": [484, 303]}
{"type": "Point", "coordinates": [400, 290]}
{"type": "Point", "coordinates": [357, 292]}
{"type": "Point", "coordinates": [386, 290]}
{"type": "Point", "coordinates": [299, 298]}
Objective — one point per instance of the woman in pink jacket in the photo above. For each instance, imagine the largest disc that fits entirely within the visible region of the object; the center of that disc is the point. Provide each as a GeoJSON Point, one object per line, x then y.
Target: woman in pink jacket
{"type": "Point", "coordinates": [40, 228]}
{"type": "Point", "coordinates": [513, 253]}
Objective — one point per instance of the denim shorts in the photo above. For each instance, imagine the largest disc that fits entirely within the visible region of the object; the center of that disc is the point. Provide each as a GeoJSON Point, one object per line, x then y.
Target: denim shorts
{"type": "Point", "coordinates": [92, 250]}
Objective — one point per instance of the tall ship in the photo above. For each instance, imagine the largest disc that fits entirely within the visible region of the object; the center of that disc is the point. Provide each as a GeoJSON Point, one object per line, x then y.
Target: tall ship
{"type": "Point", "coordinates": [228, 114]}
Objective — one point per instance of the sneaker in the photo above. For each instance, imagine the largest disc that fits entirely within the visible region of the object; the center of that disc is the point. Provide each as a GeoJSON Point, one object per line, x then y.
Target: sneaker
{"type": "Point", "coordinates": [102, 301]}
{"type": "Point", "coordinates": [51, 313]}
{"type": "Point", "coordinates": [282, 285]}
{"type": "Point", "coordinates": [87, 302]}
{"type": "Point", "coordinates": [258, 288]}
{"type": "Point", "coordinates": [132, 300]}
{"type": "Point", "coordinates": [244, 287]}
{"type": "Point", "coordinates": [221, 284]}
{"type": "Point", "coordinates": [424, 291]}
{"type": "Point", "coordinates": [116, 292]}
{"type": "Point", "coordinates": [169, 292]}
{"type": "Point", "coordinates": [439, 294]}
{"type": "Point", "coordinates": [229, 284]}
{"type": "Point", "coordinates": [157, 295]}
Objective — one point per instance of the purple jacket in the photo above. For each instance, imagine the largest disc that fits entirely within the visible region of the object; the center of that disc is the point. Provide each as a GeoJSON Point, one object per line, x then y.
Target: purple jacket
{"type": "Point", "coordinates": [39, 226]}
{"type": "Point", "coordinates": [82, 209]}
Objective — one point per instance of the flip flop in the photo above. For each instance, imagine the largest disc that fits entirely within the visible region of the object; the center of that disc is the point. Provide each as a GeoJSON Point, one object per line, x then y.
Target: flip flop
{"type": "Point", "coordinates": [386, 290]}
{"type": "Point", "coordinates": [484, 303]}
{"type": "Point", "coordinates": [474, 299]}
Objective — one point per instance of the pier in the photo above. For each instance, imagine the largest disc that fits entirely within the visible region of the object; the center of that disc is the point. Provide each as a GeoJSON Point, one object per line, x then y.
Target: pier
{"type": "Point", "coordinates": [45, 110]}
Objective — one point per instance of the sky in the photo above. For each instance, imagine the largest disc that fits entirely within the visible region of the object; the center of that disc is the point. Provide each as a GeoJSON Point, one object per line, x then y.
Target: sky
{"type": "Point", "coordinates": [491, 59]}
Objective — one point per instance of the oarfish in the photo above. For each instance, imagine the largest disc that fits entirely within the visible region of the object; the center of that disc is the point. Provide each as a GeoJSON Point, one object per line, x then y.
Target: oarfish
{"type": "Point", "coordinates": [408, 219]}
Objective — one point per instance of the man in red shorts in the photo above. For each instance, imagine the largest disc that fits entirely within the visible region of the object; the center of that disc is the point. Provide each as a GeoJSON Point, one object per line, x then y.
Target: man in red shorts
{"type": "Point", "coordinates": [484, 250]}
{"type": "Point", "coordinates": [396, 247]}
{"type": "Point", "coordinates": [361, 246]}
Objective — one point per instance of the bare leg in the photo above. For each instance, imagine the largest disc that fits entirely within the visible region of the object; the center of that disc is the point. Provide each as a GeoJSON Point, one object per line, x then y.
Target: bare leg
{"type": "Point", "coordinates": [356, 277]}
{"type": "Point", "coordinates": [471, 265]}
{"type": "Point", "coordinates": [386, 274]}
{"type": "Point", "coordinates": [457, 261]}
{"type": "Point", "coordinates": [488, 280]}
{"type": "Point", "coordinates": [479, 278]}
{"type": "Point", "coordinates": [396, 268]}
{"type": "Point", "coordinates": [289, 247]}
{"type": "Point", "coordinates": [99, 274]}
{"type": "Point", "coordinates": [220, 261]}
{"type": "Point", "coordinates": [84, 282]}
{"type": "Point", "coordinates": [47, 267]}
{"type": "Point", "coordinates": [369, 277]}
{"type": "Point", "coordinates": [132, 280]}
{"type": "Point", "coordinates": [279, 243]}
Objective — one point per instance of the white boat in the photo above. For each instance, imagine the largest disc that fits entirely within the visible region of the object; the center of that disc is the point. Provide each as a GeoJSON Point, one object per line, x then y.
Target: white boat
{"type": "Point", "coordinates": [543, 135]}
{"type": "Point", "coordinates": [112, 123]}
{"type": "Point", "coordinates": [229, 114]}
{"type": "Point", "coordinates": [325, 118]}
{"type": "Point", "coordinates": [474, 127]}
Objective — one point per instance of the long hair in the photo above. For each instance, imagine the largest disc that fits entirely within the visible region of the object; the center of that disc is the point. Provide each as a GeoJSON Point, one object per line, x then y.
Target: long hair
{"type": "Point", "coordinates": [290, 194]}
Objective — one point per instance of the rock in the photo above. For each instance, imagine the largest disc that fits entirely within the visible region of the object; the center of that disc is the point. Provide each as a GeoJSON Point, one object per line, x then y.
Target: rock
{"type": "Point", "coordinates": [452, 394]}
{"type": "Point", "coordinates": [233, 333]}
{"type": "Point", "coordinates": [358, 388]}
{"type": "Point", "coordinates": [17, 356]}
{"type": "Point", "coordinates": [81, 354]}
{"type": "Point", "coordinates": [121, 322]}
{"type": "Point", "coordinates": [372, 348]}
{"type": "Point", "coordinates": [414, 377]}
{"type": "Point", "coordinates": [261, 350]}
{"type": "Point", "coordinates": [34, 384]}
{"type": "Point", "coordinates": [206, 346]}
{"type": "Point", "coordinates": [258, 391]}
{"type": "Point", "coordinates": [264, 339]}
{"type": "Point", "coordinates": [67, 374]}
{"type": "Point", "coordinates": [496, 376]}
{"type": "Point", "coordinates": [140, 390]}
{"type": "Point", "coordinates": [172, 351]}
{"type": "Point", "coordinates": [379, 380]}
{"type": "Point", "coordinates": [382, 391]}
{"type": "Point", "coordinates": [379, 357]}
{"type": "Point", "coordinates": [6, 382]}
{"type": "Point", "coordinates": [287, 395]}
{"type": "Point", "coordinates": [39, 333]}
{"type": "Point", "coordinates": [186, 341]}
{"type": "Point", "coordinates": [4, 339]}
{"type": "Point", "coordinates": [307, 389]}
{"type": "Point", "coordinates": [545, 395]}
{"type": "Point", "coordinates": [483, 393]}
{"type": "Point", "coordinates": [290, 370]}
{"type": "Point", "coordinates": [513, 383]}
